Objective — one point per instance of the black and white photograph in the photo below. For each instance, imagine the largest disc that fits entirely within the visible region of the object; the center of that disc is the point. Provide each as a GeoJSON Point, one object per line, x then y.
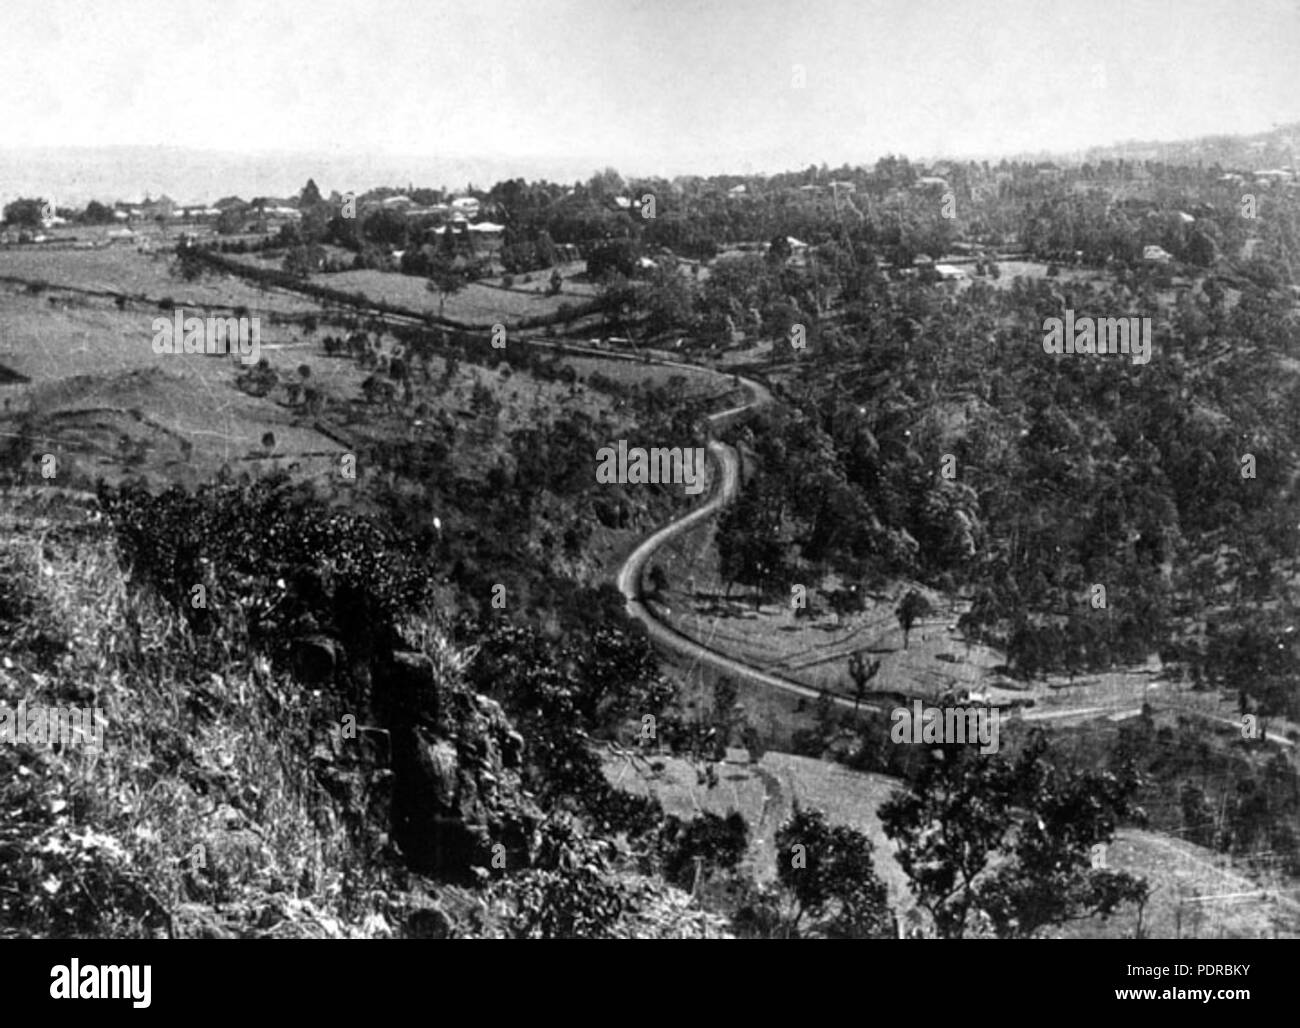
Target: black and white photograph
{"type": "Point", "coordinates": [648, 470]}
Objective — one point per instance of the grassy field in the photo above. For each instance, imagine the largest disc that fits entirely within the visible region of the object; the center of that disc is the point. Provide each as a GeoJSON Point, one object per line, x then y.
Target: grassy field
{"type": "Point", "coordinates": [765, 794]}
{"type": "Point", "coordinates": [123, 269]}
{"type": "Point", "coordinates": [815, 651]}
{"type": "Point", "coordinates": [476, 304]}
{"type": "Point", "coordinates": [80, 366]}
{"type": "Point", "coordinates": [87, 364]}
{"type": "Point", "coordinates": [1195, 892]}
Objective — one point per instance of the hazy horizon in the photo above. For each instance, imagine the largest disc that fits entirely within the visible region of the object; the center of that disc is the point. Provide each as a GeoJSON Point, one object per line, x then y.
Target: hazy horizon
{"type": "Point", "coordinates": [73, 176]}
{"type": "Point", "coordinates": [248, 98]}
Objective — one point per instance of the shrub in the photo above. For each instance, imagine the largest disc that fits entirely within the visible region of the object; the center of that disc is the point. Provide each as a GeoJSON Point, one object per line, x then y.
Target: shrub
{"type": "Point", "coordinates": [719, 842]}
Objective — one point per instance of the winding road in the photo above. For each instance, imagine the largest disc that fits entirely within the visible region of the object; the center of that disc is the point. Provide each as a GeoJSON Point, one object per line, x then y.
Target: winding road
{"type": "Point", "coordinates": [727, 484]}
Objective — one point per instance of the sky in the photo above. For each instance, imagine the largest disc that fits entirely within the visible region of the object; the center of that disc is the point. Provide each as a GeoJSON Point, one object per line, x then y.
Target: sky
{"type": "Point", "coordinates": [647, 86]}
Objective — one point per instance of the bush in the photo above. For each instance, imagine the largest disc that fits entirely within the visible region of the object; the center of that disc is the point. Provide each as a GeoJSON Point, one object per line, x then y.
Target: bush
{"type": "Point", "coordinates": [269, 561]}
{"type": "Point", "coordinates": [719, 842]}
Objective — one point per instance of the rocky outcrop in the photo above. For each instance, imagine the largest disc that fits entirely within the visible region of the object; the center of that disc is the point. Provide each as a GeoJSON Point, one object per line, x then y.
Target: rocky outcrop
{"type": "Point", "coordinates": [458, 798]}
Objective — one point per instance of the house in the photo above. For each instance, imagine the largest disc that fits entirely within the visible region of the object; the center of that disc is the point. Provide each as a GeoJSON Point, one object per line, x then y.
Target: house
{"type": "Point", "coordinates": [928, 182]}
{"type": "Point", "coordinates": [1156, 253]}
{"type": "Point", "coordinates": [949, 272]}
{"type": "Point", "coordinates": [488, 236]}
{"type": "Point", "coordinates": [739, 190]}
{"type": "Point", "coordinates": [466, 205]}
{"type": "Point", "coordinates": [162, 208]}
{"type": "Point", "coordinates": [1273, 177]}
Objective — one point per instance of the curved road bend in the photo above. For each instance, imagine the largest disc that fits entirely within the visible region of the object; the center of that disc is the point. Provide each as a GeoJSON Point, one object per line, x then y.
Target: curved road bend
{"type": "Point", "coordinates": [667, 637]}
{"type": "Point", "coordinates": [630, 574]}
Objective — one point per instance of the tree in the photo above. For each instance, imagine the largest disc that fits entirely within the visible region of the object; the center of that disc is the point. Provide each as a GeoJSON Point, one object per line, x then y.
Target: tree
{"type": "Point", "coordinates": [310, 195]}
{"type": "Point", "coordinates": [718, 843]}
{"type": "Point", "coordinates": [914, 605]}
{"type": "Point", "coordinates": [96, 213]}
{"type": "Point", "coordinates": [618, 299]}
{"type": "Point", "coordinates": [301, 261]}
{"type": "Point", "coordinates": [1011, 839]}
{"type": "Point", "coordinates": [668, 299]}
{"type": "Point", "coordinates": [751, 550]}
{"type": "Point", "coordinates": [575, 897]}
{"type": "Point", "coordinates": [844, 601]}
{"type": "Point", "coordinates": [187, 265]}
{"type": "Point", "coordinates": [386, 227]}
{"type": "Point", "coordinates": [861, 672]}
{"type": "Point", "coordinates": [616, 257]}
{"type": "Point", "coordinates": [605, 185]}
{"type": "Point", "coordinates": [1202, 250]}
{"type": "Point", "coordinates": [25, 212]}
{"type": "Point", "coordinates": [544, 252]}
{"type": "Point", "coordinates": [1256, 651]}
{"type": "Point", "coordinates": [231, 221]}
{"type": "Point", "coordinates": [445, 278]}
{"type": "Point", "coordinates": [829, 873]}
{"type": "Point", "coordinates": [779, 250]}
{"type": "Point", "coordinates": [726, 716]}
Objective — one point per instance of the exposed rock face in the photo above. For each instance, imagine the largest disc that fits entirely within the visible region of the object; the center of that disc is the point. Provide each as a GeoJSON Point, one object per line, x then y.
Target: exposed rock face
{"type": "Point", "coordinates": [457, 791]}
{"type": "Point", "coordinates": [315, 658]}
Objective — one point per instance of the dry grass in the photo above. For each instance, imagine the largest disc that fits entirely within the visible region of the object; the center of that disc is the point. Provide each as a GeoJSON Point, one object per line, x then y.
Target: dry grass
{"type": "Point", "coordinates": [200, 816]}
{"type": "Point", "coordinates": [123, 269]}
